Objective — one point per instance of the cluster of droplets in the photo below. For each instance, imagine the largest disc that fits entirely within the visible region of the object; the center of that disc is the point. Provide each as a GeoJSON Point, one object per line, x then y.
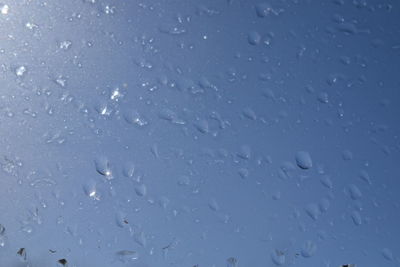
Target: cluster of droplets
{"type": "Point", "coordinates": [168, 103]}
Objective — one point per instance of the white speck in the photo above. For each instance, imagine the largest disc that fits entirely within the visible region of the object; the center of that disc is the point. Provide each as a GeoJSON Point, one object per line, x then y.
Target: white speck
{"type": "Point", "coordinates": [4, 9]}
{"type": "Point", "coordinates": [104, 111]}
{"type": "Point", "coordinates": [61, 81]}
{"type": "Point", "coordinates": [20, 71]}
{"type": "Point", "coordinates": [109, 9]}
{"type": "Point", "coordinates": [116, 94]}
{"type": "Point", "coordinates": [31, 25]}
{"type": "Point", "coordinates": [65, 45]}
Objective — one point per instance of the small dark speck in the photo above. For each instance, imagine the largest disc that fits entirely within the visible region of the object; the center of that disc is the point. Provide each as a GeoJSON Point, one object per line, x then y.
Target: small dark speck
{"type": "Point", "coordinates": [63, 262]}
{"type": "Point", "coordinates": [22, 253]}
{"type": "Point", "coordinates": [52, 251]}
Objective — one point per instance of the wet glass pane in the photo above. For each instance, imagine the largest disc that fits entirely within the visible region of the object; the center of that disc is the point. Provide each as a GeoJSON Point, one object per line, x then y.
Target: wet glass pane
{"type": "Point", "coordinates": [201, 133]}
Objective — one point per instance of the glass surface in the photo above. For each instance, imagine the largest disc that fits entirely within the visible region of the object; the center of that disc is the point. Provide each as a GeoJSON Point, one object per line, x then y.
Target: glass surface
{"type": "Point", "coordinates": [208, 133]}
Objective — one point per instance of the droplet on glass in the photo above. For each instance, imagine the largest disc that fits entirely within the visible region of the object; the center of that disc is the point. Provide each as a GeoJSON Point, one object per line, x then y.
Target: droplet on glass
{"type": "Point", "coordinates": [309, 248]}
{"type": "Point", "coordinates": [278, 257]}
{"type": "Point", "coordinates": [303, 160]}
{"type": "Point", "coordinates": [356, 217]}
{"type": "Point", "coordinates": [253, 38]}
{"type": "Point", "coordinates": [387, 254]}
{"type": "Point", "coordinates": [103, 167]}
{"type": "Point", "coordinates": [354, 192]}
{"type": "Point", "coordinates": [232, 262]}
{"type": "Point", "coordinates": [141, 190]}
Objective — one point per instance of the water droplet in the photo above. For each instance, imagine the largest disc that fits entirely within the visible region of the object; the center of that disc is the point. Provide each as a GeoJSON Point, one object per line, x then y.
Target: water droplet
{"type": "Point", "coordinates": [20, 71]}
{"type": "Point", "coordinates": [202, 126]}
{"type": "Point", "coordinates": [286, 170]}
{"type": "Point", "coordinates": [103, 109]}
{"type": "Point", "coordinates": [356, 217]}
{"type": "Point", "coordinates": [244, 152]}
{"type": "Point", "coordinates": [140, 238]}
{"type": "Point", "coordinates": [278, 257]}
{"type": "Point", "coordinates": [65, 45]}
{"type": "Point", "coordinates": [250, 114]}
{"type": "Point", "coordinates": [116, 94]}
{"type": "Point", "coordinates": [323, 97]}
{"type": "Point", "coordinates": [133, 117]}
{"type": "Point", "coordinates": [365, 177]}
{"type": "Point", "coordinates": [31, 26]}
{"type": "Point", "coordinates": [3, 238]}
{"type": "Point", "coordinates": [3, 241]}
{"type": "Point", "coordinates": [347, 28]}
{"type": "Point", "coordinates": [90, 189]}
{"type": "Point", "coordinates": [103, 167]}
{"type": "Point", "coordinates": [141, 190]}
{"type": "Point", "coordinates": [232, 262]}
{"type": "Point", "coordinates": [303, 160]}
{"type": "Point", "coordinates": [387, 254]}
{"type": "Point", "coordinates": [167, 114]}
{"type": "Point", "coordinates": [347, 155]}
{"type": "Point", "coordinates": [61, 81]}
{"type": "Point", "coordinates": [313, 211]}
{"type": "Point", "coordinates": [127, 255]}
{"type": "Point", "coordinates": [163, 202]}
{"type": "Point", "coordinates": [276, 195]}
{"type": "Point", "coordinates": [345, 60]}
{"type": "Point", "coordinates": [324, 205]}
{"type": "Point", "coordinates": [109, 10]}
{"type": "Point", "coordinates": [269, 94]}
{"type": "Point", "coordinates": [183, 180]}
{"type": "Point", "coordinates": [354, 192]}
{"type": "Point", "coordinates": [121, 219]}
{"type": "Point", "coordinates": [326, 181]}
{"type": "Point", "coordinates": [203, 10]}
{"type": "Point", "coordinates": [244, 173]}
{"type": "Point", "coordinates": [265, 9]}
{"type": "Point", "coordinates": [213, 204]}
{"type": "Point", "coordinates": [254, 38]}
{"type": "Point", "coordinates": [309, 248]}
{"type": "Point", "coordinates": [172, 29]}
{"type": "Point", "coordinates": [128, 169]}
